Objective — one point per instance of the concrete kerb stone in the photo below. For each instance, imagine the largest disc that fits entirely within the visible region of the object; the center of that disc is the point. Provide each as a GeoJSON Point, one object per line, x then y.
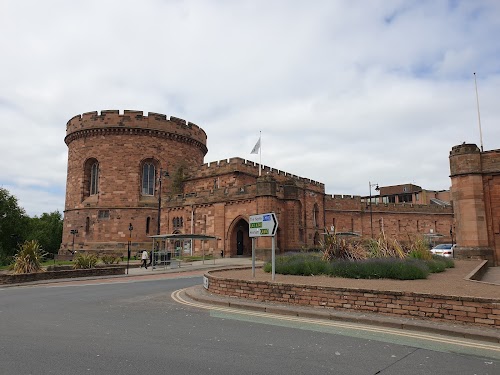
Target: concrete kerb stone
{"type": "Point", "coordinates": [135, 270]}
{"type": "Point", "coordinates": [200, 294]}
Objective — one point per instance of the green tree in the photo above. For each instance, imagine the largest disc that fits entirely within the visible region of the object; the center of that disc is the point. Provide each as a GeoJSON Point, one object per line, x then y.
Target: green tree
{"type": "Point", "coordinates": [47, 231]}
{"type": "Point", "coordinates": [13, 225]}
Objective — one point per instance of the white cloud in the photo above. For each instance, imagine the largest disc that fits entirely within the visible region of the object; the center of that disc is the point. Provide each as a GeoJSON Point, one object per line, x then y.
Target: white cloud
{"type": "Point", "coordinates": [344, 92]}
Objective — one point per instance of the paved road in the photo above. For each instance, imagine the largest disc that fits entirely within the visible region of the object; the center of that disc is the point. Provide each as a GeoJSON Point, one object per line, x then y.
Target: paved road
{"type": "Point", "coordinates": [133, 326]}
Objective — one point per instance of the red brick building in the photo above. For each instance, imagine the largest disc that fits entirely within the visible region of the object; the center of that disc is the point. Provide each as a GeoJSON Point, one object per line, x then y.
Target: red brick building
{"type": "Point", "coordinates": [114, 166]}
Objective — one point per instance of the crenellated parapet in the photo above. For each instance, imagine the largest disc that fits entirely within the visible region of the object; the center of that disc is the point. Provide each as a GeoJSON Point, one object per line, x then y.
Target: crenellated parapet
{"type": "Point", "coordinates": [249, 167]}
{"type": "Point", "coordinates": [465, 159]}
{"type": "Point", "coordinates": [135, 122]}
{"type": "Point", "coordinates": [355, 202]}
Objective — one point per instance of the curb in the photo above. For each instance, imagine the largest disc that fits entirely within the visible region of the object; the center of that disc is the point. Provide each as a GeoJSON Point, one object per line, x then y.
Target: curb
{"type": "Point", "coordinates": [200, 294]}
{"type": "Point", "coordinates": [159, 271]}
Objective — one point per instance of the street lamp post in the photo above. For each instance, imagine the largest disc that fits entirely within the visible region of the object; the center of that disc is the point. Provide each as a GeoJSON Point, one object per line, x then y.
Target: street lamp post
{"type": "Point", "coordinates": [73, 232]}
{"type": "Point", "coordinates": [130, 228]}
{"type": "Point", "coordinates": [161, 175]}
{"type": "Point", "coordinates": [371, 212]}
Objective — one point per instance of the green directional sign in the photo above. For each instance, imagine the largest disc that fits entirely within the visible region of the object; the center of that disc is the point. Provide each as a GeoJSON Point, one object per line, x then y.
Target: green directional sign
{"type": "Point", "coordinates": [263, 225]}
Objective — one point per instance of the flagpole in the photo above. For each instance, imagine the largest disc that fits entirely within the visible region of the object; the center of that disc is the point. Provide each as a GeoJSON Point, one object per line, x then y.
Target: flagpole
{"type": "Point", "coordinates": [260, 153]}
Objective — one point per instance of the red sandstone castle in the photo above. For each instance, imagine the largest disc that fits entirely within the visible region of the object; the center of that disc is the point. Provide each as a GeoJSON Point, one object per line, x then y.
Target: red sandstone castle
{"type": "Point", "coordinates": [149, 171]}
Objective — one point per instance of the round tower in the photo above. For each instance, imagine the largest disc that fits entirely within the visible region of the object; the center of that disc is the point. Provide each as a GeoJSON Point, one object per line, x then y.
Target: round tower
{"type": "Point", "coordinates": [467, 193]}
{"type": "Point", "coordinates": [116, 166]}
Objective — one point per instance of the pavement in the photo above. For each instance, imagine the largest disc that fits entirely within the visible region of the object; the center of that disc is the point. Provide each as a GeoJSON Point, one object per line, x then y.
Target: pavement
{"type": "Point", "coordinates": [200, 294]}
{"type": "Point", "coordinates": [492, 276]}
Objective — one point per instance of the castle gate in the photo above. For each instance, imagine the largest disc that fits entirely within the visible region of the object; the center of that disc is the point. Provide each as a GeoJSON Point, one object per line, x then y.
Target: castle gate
{"type": "Point", "coordinates": [239, 238]}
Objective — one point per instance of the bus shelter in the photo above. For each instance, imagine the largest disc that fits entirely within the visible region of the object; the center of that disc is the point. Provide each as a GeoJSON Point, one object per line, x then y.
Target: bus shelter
{"type": "Point", "coordinates": [163, 254]}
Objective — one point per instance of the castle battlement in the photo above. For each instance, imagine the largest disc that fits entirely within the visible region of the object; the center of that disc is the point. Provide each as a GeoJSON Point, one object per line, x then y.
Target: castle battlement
{"type": "Point", "coordinates": [344, 197]}
{"type": "Point", "coordinates": [249, 167]}
{"type": "Point", "coordinates": [109, 119]}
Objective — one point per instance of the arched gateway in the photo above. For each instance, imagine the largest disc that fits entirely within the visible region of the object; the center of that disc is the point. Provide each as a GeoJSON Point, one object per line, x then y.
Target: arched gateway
{"type": "Point", "coordinates": [239, 240]}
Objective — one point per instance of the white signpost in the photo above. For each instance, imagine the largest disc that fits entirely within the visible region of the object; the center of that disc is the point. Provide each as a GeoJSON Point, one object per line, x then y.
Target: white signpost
{"type": "Point", "coordinates": [263, 225]}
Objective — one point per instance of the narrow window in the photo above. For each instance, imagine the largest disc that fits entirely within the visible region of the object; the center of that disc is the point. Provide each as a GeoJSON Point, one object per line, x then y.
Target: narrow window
{"type": "Point", "coordinates": [148, 179]}
{"type": "Point", "coordinates": [94, 178]}
{"type": "Point", "coordinates": [148, 223]}
{"type": "Point", "coordinates": [87, 225]}
{"type": "Point", "coordinates": [418, 226]}
{"type": "Point", "coordinates": [315, 215]}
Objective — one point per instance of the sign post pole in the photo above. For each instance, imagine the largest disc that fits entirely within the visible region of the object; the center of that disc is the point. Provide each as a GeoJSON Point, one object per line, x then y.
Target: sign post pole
{"type": "Point", "coordinates": [273, 258]}
{"type": "Point", "coordinates": [253, 256]}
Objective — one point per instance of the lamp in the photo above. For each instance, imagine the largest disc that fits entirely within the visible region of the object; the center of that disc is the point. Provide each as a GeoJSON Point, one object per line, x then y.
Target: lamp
{"type": "Point", "coordinates": [161, 175]}
{"type": "Point", "coordinates": [130, 228]}
{"type": "Point", "coordinates": [73, 232]}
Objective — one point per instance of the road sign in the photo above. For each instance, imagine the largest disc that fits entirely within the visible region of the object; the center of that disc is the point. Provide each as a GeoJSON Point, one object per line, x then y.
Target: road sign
{"type": "Point", "coordinates": [264, 225]}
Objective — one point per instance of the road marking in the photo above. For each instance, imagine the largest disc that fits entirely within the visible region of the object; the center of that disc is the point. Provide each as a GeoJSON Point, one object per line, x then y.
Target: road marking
{"type": "Point", "coordinates": [176, 296]}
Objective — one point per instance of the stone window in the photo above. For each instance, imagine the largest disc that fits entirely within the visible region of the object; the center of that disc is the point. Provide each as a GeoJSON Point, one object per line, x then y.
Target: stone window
{"type": "Point", "coordinates": [94, 178]}
{"type": "Point", "coordinates": [148, 178]}
{"type": "Point", "coordinates": [178, 222]}
{"type": "Point", "coordinates": [87, 225]}
{"type": "Point", "coordinates": [315, 215]}
{"type": "Point", "coordinates": [103, 214]}
{"type": "Point", "coordinates": [91, 178]}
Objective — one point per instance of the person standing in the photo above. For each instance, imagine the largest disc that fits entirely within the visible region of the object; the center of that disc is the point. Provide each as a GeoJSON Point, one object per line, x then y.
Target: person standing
{"type": "Point", "coordinates": [144, 258]}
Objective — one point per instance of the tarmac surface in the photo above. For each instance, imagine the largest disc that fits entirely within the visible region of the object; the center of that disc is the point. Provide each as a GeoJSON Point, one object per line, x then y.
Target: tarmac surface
{"type": "Point", "coordinates": [201, 295]}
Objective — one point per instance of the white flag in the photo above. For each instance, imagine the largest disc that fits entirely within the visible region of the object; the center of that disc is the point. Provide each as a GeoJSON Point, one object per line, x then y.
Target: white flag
{"type": "Point", "coordinates": [256, 148]}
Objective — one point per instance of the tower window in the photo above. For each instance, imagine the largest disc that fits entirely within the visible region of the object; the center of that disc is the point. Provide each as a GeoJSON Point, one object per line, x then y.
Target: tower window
{"type": "Point", "coordinates": [148, 179]}
{"type": "Point", "coordinates": [94, 178]}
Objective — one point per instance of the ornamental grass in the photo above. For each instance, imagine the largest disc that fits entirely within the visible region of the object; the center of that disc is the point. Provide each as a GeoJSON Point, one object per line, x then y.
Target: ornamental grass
{"type": "Point", "coordinates": [28, 258]}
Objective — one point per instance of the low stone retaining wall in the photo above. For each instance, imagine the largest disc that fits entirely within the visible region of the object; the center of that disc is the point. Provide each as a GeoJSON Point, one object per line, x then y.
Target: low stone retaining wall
{"type": "Point", "coordinates": [48, 275]}
{"type": "Point", "coordinates": [479, 311]}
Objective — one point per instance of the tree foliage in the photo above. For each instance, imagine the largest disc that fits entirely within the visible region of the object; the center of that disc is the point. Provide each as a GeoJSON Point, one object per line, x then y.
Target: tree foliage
{"type": "Point", "coordinates": [13, 225]}
{"type": "Point", "coordinates": [47, 230]}
{"type": "Point", "coordinates": [16, 227]}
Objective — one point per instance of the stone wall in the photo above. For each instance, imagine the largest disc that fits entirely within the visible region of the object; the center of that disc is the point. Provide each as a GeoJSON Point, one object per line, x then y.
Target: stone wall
{"type": "Point", "coordinates": [479, 311]}
{"type": "Point", "coordinates": [50, 275]}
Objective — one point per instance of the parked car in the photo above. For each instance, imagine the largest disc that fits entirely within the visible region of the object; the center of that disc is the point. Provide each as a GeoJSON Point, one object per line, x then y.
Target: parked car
{"type": "Point", "coordinates": [444, 249]}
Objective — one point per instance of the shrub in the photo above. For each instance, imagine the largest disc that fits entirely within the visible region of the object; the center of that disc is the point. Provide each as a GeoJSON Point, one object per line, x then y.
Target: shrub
{"type": "Point", "coordinates": [82, 260]}
{"type": "Point", "coordinates": [435, 266]}
{"type": "Point", "coordinates": [28, 258]}
{"type": "Point", "coordinates": [110, 259]}
{"type": "Point", "coordinates": [439, 263]}
{"type": "Point", "coordinates": [419, 249]}
{"type": "Point", "coordinates": [335, 247]}
{"type": "Point", "coordinates": [390, 268]}
{"type": "Point", "coordinates": [382, 268]}
{"type": "Point", "coordinates": [384, 247]}
{"type": "Point", "coordinates": [299, 264]}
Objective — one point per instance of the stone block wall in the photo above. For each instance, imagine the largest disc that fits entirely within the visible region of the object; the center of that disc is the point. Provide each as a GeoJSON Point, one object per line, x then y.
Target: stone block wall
{"type": "Point", "coordinates": [478, 311]}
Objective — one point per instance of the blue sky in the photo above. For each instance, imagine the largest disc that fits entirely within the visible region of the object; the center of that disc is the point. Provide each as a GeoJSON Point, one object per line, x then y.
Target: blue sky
{"type": "Point", "coordinates": [344, 92]}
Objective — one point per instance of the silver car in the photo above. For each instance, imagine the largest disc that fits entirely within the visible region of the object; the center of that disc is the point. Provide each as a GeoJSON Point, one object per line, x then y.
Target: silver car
{"type": "Point", "coordinates": [444, 249]}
